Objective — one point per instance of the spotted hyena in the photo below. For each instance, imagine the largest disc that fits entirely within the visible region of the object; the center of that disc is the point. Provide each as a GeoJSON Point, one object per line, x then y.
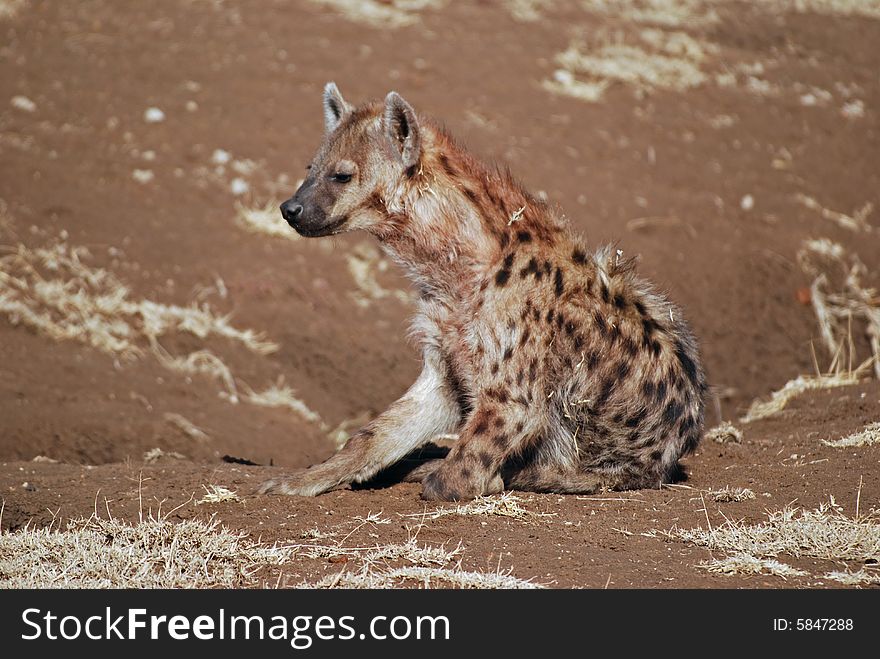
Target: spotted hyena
{"type": "Point", "coordinates": [559, 368]}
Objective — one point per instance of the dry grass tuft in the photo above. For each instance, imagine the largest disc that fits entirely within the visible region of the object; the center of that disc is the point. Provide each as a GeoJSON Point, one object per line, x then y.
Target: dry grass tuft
{"type": "Point", "coordinates": [425, 577]}
{"type": "Point", "coordinates": [823, 533]}
{"type": "Point", "coordinates": [528, 11]}
{"type": "Point", "coordinates": [157, 454]}
{"type": "Point", "coordinates": [650, 59]}
{"type": "Point", "coordinates": [187, 427]}
{"type": "Point", "coordinates": [858, 221]}
{"type": "Point", "coordinates": [863, 577]}
{"type": "Point", "coordinates": [52, 290]}
{"type": "Point", "coordinates": [746, 564]}
{"type": "Point", "coordinates": [364, 262]}
{"type": "Point", "coordinates": [868, 436]}
{"type": "Point", "coordinates": [201, 362]}
{"type": "Point", "coordinates": [382, 13]}
{"type": "Point", "coordinates": [840, 297]}
{"type": "Point", "coordinates": [760, 409]}
{"type": "Point", "coordinates": [668, 13]}
{"type": "Point", "coordinates": [155, 553]}
{"type": "Point", "coordinates": [506, 504]}
{"type": "Point", "coordinates": [864, 8]}
{"type": "Point", "coordinates": [9, 8]}
{"type": "Point", "coordinates": [218, 494]}
{"type": "Point", "coordinates": [281, 395]}
{"type": "Point", "coordinates": [725, 433]}
{"type": "Point", "coordinates": [265, 220]}
{"type": "Point", "coordinates": [729, 494]}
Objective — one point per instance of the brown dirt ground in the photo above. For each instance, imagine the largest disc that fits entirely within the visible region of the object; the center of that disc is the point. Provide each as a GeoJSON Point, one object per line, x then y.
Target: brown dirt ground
{"type": "Point", "coordinates": [92, 69]}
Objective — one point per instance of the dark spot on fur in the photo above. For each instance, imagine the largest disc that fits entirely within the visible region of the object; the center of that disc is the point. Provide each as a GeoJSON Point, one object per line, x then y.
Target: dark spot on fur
{"type": "Point", "coordinates": [640, 308]}
{"type": "Point", "coordinates": [519, 377]}
{"type": "Point", "coordinates": [481, 427]}
{"type": "Point", "coordinates": [672, 412]}
{"type": "Point", "coordinates": [622, 370]}
{"type": "Point", "coordinates": [619, 301]}
{"type": "Point", "coordinates": [494, 369]}
{"type": "Point", "coordinates": [636, 419]}
{"type": "Point", "coordinates": [570, 328]}
{"type": "Point", "coordinates": [660, 391]}
{"type": "Point", "coordinates": [501, 277]}
{"type": "Point", "coordinates": [687, 425]}
{"type": "Point", "coordinates": [447, 166]}
{"type": "Point", "coordinates": [592, 360]}
{"type": "Point", "coordinates": [524, 236]}
{"type": "Point", "coordinates": [614, 333]}
{"type": "Point", "coordinates": [485, 459]}
{"type": "Point", "coordinates": [690, 368]}
{"type": "Point", "coordinates": [550, 316]}
{"type": "Point", "coordinates": [578, 257]}
{"type": "Point", "coordinates": [603, 290]}
{"type": "Point", "coordinates": [470, 194]}
{"type": "Point", "coordinates": [648, 389]}
{"type": "Point", "coordinates": [498, 394]}
{"type": "Point", "coordinates": [655, 348]}
{"type": "Point", "coordinates": [500, 441]}
{"type": "Point", "coordinates": [366, 433]}
{"type": "Point", "coordinates": [531, 268]}
{"type": "Point", "coordinates": [558, 284]}
{"type": "Point", "coordinates": [508, 354]}
{"type": "Point", "coordinates": [466, 472]}
{"type": "Point", "coordinates": [601, 325]}
{"type": "Point", "coordinates": [656, 455]}
{"type": "Point", "coordinates": [604, 394]}
{"type": "Point", "coordinates": [525, 337]}
{"type": "Point", "coordinates": [533, 370]}
{"type": "Point", "coordinates": [519, 426]}
{"type": "Point", "coordinates": [578, 342]}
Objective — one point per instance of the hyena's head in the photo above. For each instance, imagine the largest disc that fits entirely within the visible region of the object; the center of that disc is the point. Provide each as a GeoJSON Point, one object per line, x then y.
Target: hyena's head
{"type": "Point", "coordinates": [366, 153]}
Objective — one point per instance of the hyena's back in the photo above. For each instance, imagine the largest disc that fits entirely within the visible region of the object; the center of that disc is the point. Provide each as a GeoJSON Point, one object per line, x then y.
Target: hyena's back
{"type": "Point", "coordinates": [607, 365]}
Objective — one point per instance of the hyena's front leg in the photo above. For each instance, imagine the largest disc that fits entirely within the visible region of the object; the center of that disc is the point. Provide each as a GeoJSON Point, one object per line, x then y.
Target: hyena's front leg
{"type": "Point", "coordinates": [429, 408]}
{"type": "Point", "coordinates": [499, 427]}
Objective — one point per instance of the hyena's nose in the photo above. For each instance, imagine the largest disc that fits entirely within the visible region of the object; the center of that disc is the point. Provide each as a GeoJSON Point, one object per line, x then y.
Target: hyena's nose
{"type": "Point", "coordinates": [290, 211]}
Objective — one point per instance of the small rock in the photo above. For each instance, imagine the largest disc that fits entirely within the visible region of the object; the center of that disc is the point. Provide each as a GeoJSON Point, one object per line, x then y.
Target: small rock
{"type": "Point", "coordinates": [239, 186]}
{"type": "Point", "coordinates": [220, 157]}
{"type": "Point", "coordinates": [143, 175]}
{"type": "Point", "coordinates": [154, 115]}
{"type": "Point", "coordinates": [23, 103]}
{"type": "Point", "coordinates": [747, 203]}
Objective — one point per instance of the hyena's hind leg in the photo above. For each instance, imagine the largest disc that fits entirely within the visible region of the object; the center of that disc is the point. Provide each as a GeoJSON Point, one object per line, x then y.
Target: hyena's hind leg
{"type": "Point", "coordinates": [555, 479]}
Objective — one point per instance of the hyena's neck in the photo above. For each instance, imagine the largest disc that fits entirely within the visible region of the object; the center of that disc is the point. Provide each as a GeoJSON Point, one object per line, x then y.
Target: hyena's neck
{"type": "Point", "coordinates": [454, 218]}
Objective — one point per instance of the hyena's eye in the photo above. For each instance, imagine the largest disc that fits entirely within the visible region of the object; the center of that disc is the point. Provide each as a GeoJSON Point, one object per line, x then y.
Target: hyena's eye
{"type": "Point", "coordinates": [341, 177]}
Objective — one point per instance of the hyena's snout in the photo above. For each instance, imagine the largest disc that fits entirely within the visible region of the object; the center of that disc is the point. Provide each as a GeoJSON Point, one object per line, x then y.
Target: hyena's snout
{"type": "Point", "coordinates": [309, 219]}
{"type": "Point", "coordinates": [290, 211]}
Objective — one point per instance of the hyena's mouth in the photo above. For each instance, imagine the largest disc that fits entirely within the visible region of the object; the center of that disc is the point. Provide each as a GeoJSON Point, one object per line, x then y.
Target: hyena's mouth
{"type": "Point", "coordinates": [333, 226]}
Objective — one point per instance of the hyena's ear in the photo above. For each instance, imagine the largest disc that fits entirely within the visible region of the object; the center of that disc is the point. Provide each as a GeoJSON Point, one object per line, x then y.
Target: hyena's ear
{"type": "Point", "coordinates": [335, 107]}
{"type": "Point", "coordinates": [402, 129]}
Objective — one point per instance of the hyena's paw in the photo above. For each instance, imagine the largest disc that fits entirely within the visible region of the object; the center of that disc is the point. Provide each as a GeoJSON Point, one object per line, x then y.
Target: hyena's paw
{"type": "Point", "coordinates": [296, 485]}
{"type": "Point", "coordinates": [452, 483]}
